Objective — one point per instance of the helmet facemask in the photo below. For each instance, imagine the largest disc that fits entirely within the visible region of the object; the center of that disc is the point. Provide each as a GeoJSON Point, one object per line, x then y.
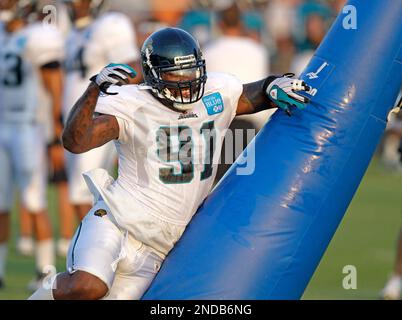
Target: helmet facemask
{"type": "Point", "coordinates": [181, 83]}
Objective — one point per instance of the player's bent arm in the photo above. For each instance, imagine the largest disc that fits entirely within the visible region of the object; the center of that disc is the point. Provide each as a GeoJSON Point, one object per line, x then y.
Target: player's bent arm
{"type": "Point", "coordinates": [254, 98]}
{"type": "Point", "coordinates": [83, 131]}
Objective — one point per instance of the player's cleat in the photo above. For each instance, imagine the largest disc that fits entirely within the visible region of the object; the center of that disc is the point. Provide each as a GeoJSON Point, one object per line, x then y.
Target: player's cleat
{"type": "Point", "coordinates": [26, 246]}
{"type": "Point", "coordinates": [392, 290]}
{"type": "Point", "coordinates": [1, 284]}
{"type": "Point", "coordinates": [62, 247]}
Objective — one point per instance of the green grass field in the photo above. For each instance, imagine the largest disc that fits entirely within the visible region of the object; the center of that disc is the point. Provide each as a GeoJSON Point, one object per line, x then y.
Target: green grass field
{"type": "Point", "coordinates": [366, 239]}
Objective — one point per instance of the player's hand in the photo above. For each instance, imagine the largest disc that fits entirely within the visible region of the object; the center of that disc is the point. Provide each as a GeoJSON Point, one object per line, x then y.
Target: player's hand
{"type": "Point", "coordinates": [113, 75]}
{"type": "Point", "coordinates": [284, 92]}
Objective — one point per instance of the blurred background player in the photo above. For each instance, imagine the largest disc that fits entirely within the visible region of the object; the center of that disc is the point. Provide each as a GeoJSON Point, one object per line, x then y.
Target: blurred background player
{"type": "Point", "coordinates": [391, 155]}
{"type": "Point", "coordinates": [393, 288]}
{"type": "Point", "coordinates": [97, 38]}
{"type": "Point", "coordinates": [30, 73]}
{"type": "Point", "coordinates": [248, 60]}
{"type": "Point", "coordinates": [392, 158]}
{"type": "Point", "coordinates": [313, 21]}
{"type": "Point", "coordinates": [56, 169]}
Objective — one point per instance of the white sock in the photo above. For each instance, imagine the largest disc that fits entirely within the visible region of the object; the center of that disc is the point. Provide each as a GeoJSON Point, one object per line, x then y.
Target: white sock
{"type": "Point", "coordinates": [393, 288]}
{"type": "Point", "coordinates": [26, 246]}
{"type": "Point", "coordinates": [3, 258]}
{"type": "Point", "coordinates": [62, 247]}
{"type": "Point", "coordinates": [45, 256]}
{"type": "Point", "coordinates": [45, 292]}
{"type": "Point", "coordinates": [395, 280]}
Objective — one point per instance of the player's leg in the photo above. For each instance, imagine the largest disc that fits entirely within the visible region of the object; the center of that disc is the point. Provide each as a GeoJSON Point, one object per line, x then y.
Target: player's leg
{"type": "Point", "coordinates": [66, 213]}
{"type": "Point", "coordinates": [80, 285]}
{"type": "Point", "coordinates": [6, 195]}
{"type": "Point", "coordinates": [135, 272]}
{"type": "Point", "coordinates": [25, 243]}
{"type": "Point", "coordinates": [393, 288]}
{"type": "Point", "coordinates": [398, 262]}
{"type": "Point", "coordinates": [391, 156]}
{"type": "Point", "coordinates": [4, 236]}
{"type": "Point", "coordinates": [92, 259]}
{"type": "Point", "coordinates": [29, 155]}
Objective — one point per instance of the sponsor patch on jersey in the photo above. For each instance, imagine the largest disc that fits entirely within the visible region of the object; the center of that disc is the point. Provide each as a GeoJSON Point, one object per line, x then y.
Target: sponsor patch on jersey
{"type": "Point", "coordinates": [213, 103]}
{"type": "Point", "coordinates": [100, 213]}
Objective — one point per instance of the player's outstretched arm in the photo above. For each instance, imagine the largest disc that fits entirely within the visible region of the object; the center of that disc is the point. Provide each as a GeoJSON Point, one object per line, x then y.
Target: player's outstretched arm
{"type": "Point", "coordinates": [254, 99]}
{"type": "Point", "coordinates": [273, 92]}
{"type": "Point", "coordinates": [83, 131]}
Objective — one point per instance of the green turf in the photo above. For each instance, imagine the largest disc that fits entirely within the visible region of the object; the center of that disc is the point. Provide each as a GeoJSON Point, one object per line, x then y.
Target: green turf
{"type": "Point", "coordinates": [21, 270]}
{"type": "Point", "coordinates": [366, 239]}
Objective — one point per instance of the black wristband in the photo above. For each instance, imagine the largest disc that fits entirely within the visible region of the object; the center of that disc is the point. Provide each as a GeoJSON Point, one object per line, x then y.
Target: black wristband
{"type": "Point", "coordinates": [267, 82]}
{"type": "Point", "coordinates": [93, 79]}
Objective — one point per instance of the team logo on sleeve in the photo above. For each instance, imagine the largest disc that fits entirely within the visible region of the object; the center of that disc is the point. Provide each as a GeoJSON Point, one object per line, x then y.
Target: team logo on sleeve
{"type": "Point", "coordinates": [213, 103]}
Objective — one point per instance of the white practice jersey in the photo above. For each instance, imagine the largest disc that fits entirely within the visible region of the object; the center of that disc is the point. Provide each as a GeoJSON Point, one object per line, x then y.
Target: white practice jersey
{"type": "Point", "coordinates": [109, 39]}
{"type": "Point", "coordinates": [167, 160]}
{"type": "Point", "coordinates": [22, 53]}
{"type": "Point", "coordinates": [247, 59]}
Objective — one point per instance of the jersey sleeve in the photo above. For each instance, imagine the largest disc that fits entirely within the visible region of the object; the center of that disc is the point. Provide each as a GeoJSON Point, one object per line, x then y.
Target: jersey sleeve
{"type": "Point", "coordinates": [233, 89]}
{"type": "Point", "coordinates": [116, 34]}
{"type": "Point", "coordinates": [121, 108]}
{"type": "Point", "coordinates": [45, 45]}
{"type": "Point", "coordinates": [125, 130]}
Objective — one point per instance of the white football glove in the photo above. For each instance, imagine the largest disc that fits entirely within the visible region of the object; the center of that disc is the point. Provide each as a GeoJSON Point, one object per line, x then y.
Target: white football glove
{"type": "Point", "coordinates": [283, 92]}
{"type": "Point", "coordinates": [113, 74]}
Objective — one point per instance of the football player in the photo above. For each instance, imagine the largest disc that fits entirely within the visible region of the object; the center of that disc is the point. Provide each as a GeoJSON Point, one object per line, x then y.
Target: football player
{"type": "Point", "coordinates": [392, 157]}
{"type": "Point", "coordinates": [168, 134]}
{"type": "Point", "coordinates": [56, 169]}
{"type": "Point", "coordinates": [30, 75]}
{"type": "Point", "coordinates": [97, 37]}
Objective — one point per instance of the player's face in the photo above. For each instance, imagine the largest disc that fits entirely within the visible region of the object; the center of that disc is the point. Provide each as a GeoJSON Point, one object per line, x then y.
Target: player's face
{"type": "Point", "coordinates": [183, 77]}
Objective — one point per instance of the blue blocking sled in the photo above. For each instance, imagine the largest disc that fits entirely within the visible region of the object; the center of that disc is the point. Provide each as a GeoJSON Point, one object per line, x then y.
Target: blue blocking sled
{"type": "Point", "coordinates": [261, 236]}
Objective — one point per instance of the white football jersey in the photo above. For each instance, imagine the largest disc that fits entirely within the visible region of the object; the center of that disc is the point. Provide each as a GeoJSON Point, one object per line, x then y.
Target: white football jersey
{"type": "Point", "coordinates": [22, 53]}
{"type": "Point", "coordinates": [167, 159]}
{"type": "Point", "coordinates": [109, 39]}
